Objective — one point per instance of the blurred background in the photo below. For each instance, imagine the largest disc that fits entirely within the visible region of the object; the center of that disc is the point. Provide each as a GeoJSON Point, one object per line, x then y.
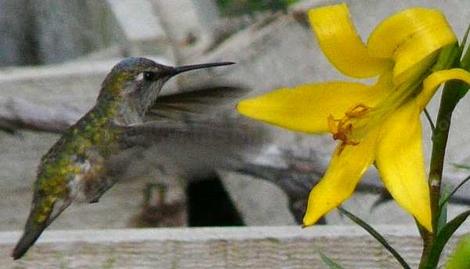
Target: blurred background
{"type": "Point", "coordinates": [54, 55]}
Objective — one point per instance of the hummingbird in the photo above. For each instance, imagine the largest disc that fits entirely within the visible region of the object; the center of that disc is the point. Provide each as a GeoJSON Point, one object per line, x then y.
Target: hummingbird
{"type": "Point", "coordinates": [78, 166]}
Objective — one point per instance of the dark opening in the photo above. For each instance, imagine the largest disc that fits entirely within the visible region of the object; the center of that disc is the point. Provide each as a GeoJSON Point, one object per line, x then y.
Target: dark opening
{"type": "Point", "coordinates": [209, 204]}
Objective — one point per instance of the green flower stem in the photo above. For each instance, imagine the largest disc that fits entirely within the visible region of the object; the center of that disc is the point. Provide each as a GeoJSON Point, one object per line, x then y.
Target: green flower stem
{"type": "Point", "coordinates": [450, 97]}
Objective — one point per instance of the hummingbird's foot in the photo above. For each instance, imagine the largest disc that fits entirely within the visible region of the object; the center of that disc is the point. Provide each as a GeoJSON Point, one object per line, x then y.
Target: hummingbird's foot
{"type": "Point", "coordinates": [155, 194]}
{"type": "Point", "coordinates": [157, 211]}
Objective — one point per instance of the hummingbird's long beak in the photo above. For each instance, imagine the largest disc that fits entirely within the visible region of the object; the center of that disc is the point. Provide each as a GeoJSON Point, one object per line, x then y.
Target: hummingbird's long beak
{"type": "Point", "coordinates": [180, 69]}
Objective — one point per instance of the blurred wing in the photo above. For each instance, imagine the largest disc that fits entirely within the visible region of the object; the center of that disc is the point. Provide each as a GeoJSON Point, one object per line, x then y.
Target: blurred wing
{"type": "Point", "coordinates": [226, 130]}
{"type": "Point", "coordinates": [199, 146]}
{"type": "Point", "coordinates": [199, 101]}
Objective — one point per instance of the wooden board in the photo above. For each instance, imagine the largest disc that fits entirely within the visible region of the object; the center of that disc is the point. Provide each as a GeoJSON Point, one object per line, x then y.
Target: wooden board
{"type": "Point", "coordinates": [236, 247]}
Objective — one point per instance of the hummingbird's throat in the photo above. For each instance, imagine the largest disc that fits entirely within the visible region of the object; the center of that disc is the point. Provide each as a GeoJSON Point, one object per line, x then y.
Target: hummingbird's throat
{"type": "Point", "coordinates": [348, 128]}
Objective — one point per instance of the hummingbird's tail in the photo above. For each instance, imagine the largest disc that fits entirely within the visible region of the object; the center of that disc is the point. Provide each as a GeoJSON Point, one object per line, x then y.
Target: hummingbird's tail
{"type": "Point", "coordinates": [30, 235]}
{"type": "Point", "coordinates": [42, 214]}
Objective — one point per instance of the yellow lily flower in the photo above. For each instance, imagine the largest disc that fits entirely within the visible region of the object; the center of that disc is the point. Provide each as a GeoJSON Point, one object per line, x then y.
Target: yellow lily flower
{"type": "Point", "coordinates": [375, 124]}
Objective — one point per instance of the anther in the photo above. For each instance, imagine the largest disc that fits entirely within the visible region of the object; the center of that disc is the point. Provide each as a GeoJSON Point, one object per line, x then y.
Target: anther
{"type": "Point", "coordinates": [357, 111]}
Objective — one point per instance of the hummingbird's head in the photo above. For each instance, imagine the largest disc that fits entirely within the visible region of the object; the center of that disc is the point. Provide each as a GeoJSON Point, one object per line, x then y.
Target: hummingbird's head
{"type": "Point", "coordinates": [136, 82]}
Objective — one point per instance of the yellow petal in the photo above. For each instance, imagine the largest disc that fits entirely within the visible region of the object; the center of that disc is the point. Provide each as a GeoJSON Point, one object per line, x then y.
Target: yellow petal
{"type": "Point", "coordinates": [341, 44]}
{"type": "Point", "coordinates": [432, 82]}
{"type": "Point", "coordinates": [344, 172]}
{"type": "Point", "coordinates": [306, 108]}
{"type": "Point", "coordinates": [400, 162]}
{"type": "Point", "coordinates": [410, 37]}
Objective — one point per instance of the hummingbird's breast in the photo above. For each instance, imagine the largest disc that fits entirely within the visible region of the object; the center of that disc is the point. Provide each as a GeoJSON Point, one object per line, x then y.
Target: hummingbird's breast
{"type": "Point", "coordinates": [76, 164]}
{"type": "Point", "coordinates": [85, 185]}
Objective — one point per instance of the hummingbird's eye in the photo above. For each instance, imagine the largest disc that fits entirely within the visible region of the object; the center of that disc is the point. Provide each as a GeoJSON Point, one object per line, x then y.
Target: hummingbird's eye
{"type": "Point", "coordinates": [149, 76]}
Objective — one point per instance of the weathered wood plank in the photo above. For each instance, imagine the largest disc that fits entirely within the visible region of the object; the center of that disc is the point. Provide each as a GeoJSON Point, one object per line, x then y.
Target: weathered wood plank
{"type": "Point", "coordinates": [237, 247]}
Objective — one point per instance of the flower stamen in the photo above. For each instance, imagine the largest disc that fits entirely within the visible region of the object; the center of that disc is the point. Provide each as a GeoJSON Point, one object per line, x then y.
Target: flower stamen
{"type": "Point", "coordinates": [358, 111]}
{"type": "Point", "coordinates": [342, 129]}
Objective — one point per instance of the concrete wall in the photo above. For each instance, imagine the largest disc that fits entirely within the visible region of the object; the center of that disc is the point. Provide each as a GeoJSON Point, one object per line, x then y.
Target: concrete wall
{"type": "Point", "coordinates": [17, 46]}
{"type": "Point", "coordinates": [53, 31]}
{"type": "Point", "coordinates": [68, 29]}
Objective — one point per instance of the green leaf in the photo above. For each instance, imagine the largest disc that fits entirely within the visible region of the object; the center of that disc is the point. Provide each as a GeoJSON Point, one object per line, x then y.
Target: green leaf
{"type": "Point", "coordinates": [459, 86]}
{"type": "Point", "coordinates": [429, 118]}
{"type": "Point", "coordinates": [240, 7]}
{"type": "Point", "coordinates": [465, 62]}
{"type": "Point", "coordinates": [461, 255]}
{"type": "Point", "coordinates": [464, 40]}
{"type": "Point", "coordinates": [443, 237]}
{"type": "Point", "coordinates": [448, 57]}
{"type": "Point", "coordinates": [376, 235]}
{"type": "Point", "coordinates": [442, 214]}
{"type": "Point", "coordinates": [461, 166]}
{"type": "Point", "coordinates": [447, 197]}
{"type": "Point", "coordinates": [329, 262]}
